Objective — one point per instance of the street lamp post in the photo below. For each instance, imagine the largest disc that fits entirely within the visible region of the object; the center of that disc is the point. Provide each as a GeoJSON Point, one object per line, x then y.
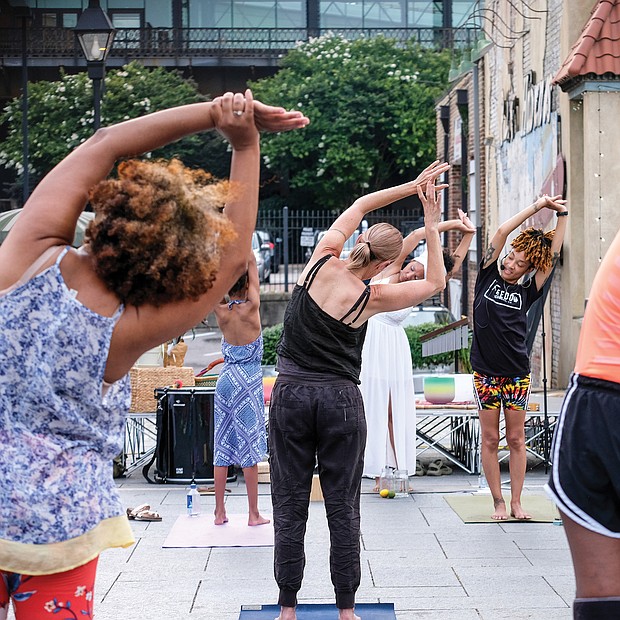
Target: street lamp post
{"type": "Point", "coordinates": [95, 33]}
{"type": "Point", "coordinates": [22, 11]}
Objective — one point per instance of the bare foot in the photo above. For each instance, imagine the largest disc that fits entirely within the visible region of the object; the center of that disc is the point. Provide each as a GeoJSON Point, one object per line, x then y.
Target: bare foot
{"type": "Point", "coordinates": [517, 512]}
{"type": "Point", "coordinates": [347, 614]}
{"type": "Point", "coordinates": [500, 513]}
{"type": "Point", "coordinates": [287, 613]}
{"type": "Point", "coordinates": [257, 520]}
{"type": "Point", "coordinates": [220, 518]}
{"type": "Point", "coordinates": [376, 487]}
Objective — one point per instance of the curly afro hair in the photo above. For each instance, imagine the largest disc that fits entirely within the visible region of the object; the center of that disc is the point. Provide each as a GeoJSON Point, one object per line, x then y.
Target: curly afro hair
{"type": "Point", "coordinates": [536, 245]}
{"type": "Point", "coordinates": [158, 231]}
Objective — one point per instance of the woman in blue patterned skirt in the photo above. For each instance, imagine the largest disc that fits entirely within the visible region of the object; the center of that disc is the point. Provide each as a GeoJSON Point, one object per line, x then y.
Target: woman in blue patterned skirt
{"type": "Point", "coordinates": [240, 437]}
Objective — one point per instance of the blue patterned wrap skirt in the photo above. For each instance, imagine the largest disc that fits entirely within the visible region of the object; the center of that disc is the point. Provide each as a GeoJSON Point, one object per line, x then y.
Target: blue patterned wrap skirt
{"type": "Point", "coordinates": [240, 437]}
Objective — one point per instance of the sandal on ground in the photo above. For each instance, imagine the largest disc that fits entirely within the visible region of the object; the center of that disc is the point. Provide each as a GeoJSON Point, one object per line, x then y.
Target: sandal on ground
{"type": "Point", "coordinates": [210, 490]}
{"type": "Point", "coordinates": [437, 468]}
{"type": "Point", "coordinates": [147, 515]}
{"type": "Point", "coordinates": [132, 513]}
{"type": "Point", "coordinates": [445, 470]}
{"type": "Point", "coordinates": [419, 470]}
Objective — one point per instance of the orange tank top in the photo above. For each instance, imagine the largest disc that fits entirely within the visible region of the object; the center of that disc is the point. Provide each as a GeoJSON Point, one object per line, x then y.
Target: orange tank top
{"type": "Point", "coordinates": [598, 354]}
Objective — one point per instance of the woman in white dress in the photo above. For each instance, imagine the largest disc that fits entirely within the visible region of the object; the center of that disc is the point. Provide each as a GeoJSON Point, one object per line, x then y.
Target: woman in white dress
{"type": "Point", "coordinates": [387, 375]}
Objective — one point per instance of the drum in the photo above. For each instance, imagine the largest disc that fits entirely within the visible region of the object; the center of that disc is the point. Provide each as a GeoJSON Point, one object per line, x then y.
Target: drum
{"type": "Point", "coordinates": [185, 427]}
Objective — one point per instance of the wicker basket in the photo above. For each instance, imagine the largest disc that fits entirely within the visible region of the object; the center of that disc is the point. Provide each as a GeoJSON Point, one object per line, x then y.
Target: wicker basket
{"type": "Point", "coordinates": [145, 380]}
{"type": "Point", "coordinates": [206, 380]}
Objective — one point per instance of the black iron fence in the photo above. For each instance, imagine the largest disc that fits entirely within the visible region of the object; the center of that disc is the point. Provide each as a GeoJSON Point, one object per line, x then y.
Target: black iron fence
{"type": "Point", "coordinates": [292, 235]}
{"type": "Point", "coordinates": [172, 43]}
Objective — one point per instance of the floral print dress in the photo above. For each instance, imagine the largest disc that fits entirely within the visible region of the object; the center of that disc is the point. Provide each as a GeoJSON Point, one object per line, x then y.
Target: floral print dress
{"type": "Point", "coordinates": [60, 428]}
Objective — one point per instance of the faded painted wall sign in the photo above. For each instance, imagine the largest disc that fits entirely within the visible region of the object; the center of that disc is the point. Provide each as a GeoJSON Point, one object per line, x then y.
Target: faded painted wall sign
{"type": "Point", "coordinates": [536, 109]}
{"type": "Point", "coordinates": [511, 118]}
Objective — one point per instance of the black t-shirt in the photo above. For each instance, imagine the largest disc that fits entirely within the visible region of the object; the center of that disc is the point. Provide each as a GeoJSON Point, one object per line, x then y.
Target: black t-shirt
{"type": "Point", "coordinates": [500, 324]}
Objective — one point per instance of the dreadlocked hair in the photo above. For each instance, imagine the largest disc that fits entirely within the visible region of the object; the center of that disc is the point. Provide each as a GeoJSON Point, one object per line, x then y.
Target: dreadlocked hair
{"type": "Point", "coordinates": [536, 245]}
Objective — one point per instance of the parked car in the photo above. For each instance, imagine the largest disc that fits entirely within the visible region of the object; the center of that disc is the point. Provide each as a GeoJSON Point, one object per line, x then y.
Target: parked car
{"type": "Point", "coordinates": [263, 257]}
{"type": "Point", "coordinates": [269, 248]}
{"type": "Point", "coordinates": [429, 314]}
{"type": "Point", "coordinates": [348, 244]}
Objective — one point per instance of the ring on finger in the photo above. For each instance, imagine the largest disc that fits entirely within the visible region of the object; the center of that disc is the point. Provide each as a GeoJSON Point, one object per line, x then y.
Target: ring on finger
{"type": "Point", "coordinates": [238, 112]}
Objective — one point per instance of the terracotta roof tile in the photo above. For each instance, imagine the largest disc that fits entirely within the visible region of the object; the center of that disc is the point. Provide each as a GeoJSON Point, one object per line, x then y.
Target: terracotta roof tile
{"type": "Point", "coordinates": [597, 50]}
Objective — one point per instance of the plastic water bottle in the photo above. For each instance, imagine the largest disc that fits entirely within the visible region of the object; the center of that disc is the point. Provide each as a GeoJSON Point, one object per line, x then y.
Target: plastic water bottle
{"type": "Point", "coordinates": [193, 501]}
{"type": "Point", "coordinates": [482, 481]}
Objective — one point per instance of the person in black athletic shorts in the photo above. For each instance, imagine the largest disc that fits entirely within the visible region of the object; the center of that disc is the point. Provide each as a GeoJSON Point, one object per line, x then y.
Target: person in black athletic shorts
{"type": "Point", "coordinates": [585, 477]}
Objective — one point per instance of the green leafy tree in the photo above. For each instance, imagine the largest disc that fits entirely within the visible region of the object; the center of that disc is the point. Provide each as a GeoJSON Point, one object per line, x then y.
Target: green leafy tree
{"type": "Point", "coordinates": [60, 117]}
{"type": "Point", "coordinates": [371, 103]}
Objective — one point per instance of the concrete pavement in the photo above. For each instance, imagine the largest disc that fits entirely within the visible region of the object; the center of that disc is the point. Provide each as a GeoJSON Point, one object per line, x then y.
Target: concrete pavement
{"type": "Point", "coordinates": [416, 553]}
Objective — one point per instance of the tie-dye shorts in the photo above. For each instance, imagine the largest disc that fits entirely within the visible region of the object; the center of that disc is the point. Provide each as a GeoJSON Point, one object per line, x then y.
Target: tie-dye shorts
{"type": "Point", "coordinates": [495, 392]}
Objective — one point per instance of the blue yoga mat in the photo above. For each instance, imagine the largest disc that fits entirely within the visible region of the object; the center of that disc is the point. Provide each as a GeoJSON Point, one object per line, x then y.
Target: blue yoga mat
{"type": "Point", "coordinates": [368, 611]}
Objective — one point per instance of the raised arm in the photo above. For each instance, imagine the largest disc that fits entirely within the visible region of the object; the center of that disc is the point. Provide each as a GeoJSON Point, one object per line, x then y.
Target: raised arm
{"type": "Point", "coordinates": [253, 280]}
{"type": "Point", "coordinates": [242, 205]}
{"type": "Point", "coordinates": [346, 224]}
{"type": "Point", "coordinates": [434, 274]}
{"type": "Point", "coordinates": [386, 297]}
{"type": "Point", "coordinates": [499, 238]}
{"type": "Point", "coordinates": [50, 215]}
{"type": "Point", "coordinates": [468, 232]}
{"type": "Point", "coordinates": [559, 206]}
{"type": "Point", "coordinates": [414, 238]}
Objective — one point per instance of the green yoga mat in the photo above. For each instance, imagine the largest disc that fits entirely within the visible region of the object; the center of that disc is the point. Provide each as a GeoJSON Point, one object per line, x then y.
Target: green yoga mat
{"type": "Point", "coordinates": [479, 507]}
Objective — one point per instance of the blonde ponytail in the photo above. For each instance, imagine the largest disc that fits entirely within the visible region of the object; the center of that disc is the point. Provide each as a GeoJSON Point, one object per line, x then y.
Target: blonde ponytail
{"type": "Point", "coordinates": [381, 242]}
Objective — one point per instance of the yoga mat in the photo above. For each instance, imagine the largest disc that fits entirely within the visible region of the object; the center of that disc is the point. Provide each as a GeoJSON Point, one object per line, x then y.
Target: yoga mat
{"type": "Point", "coordinates": [200, 531]}
{"type": "Point", "coordinates": [366, 611]}
{"type": "Point", "coordinates": [478, 508]}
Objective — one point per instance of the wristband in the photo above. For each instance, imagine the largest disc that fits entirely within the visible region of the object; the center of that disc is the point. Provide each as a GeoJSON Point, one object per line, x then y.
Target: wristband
{"type": "Point", "coordinates": [561, 213]}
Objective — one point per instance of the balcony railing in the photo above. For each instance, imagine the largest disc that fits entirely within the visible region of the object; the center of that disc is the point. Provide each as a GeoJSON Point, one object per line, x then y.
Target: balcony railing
{"type": "Point", "coordinates": [174, 43]}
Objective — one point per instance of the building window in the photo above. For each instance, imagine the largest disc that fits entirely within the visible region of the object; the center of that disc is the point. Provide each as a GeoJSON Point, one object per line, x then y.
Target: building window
{"type": "Point", "coordinates": [56, 19]}
{"type": "Point", "coordinates": [342, 14]}
{"type": "Point", "coordinates": [422, 14]}
{"type": "Point", "coordinates": [384, 14]}
{"type": "Point", "coordinates": [393, 13]}
{"type": "Point", "coordinates": [461, 10]}
{"type": "Point", "coordinates": [247, 14]}
{"type": "Point", "coordinates": [126, 19]}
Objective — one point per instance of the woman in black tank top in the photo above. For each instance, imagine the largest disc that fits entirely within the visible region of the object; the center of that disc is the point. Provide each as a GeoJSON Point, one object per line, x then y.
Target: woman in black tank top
{"type": "Point", "coordinates": [317, 414]}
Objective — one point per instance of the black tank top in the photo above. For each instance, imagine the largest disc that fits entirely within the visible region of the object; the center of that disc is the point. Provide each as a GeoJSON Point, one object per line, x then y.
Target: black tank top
{"type": "Point", "coordinates": [317, 341]}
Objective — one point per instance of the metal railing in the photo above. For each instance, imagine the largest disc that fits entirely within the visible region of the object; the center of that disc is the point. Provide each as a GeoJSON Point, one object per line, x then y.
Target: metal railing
{"type": "Point", "coordinates": [47, 43]}
{"type": "Point", "coordinates": [294, 235]}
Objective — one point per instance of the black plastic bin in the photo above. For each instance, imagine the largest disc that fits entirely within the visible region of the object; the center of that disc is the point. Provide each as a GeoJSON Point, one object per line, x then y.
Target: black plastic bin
{"type": "Point", "coordinates": [185, 427]}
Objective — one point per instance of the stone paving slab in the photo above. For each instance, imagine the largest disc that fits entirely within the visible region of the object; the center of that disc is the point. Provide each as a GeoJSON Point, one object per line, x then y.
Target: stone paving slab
{"type": "Point", "coordinates": [416, 553]}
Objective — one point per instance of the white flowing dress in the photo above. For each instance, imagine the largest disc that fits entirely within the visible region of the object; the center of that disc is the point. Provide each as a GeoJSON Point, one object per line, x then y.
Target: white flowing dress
{"type": "Point", "coordinates": [387, 373]}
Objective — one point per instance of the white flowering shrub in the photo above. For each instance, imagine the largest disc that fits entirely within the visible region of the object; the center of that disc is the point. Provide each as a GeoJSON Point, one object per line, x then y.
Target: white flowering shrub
{"type": "Point", "coordinates": [371, 103]}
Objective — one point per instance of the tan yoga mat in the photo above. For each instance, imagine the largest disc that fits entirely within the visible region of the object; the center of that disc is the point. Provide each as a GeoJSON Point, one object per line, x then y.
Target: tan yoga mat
{"type": "Point", "coordinates": [478, 508]}
{"type": "Point", "coordinates": [200, 531]}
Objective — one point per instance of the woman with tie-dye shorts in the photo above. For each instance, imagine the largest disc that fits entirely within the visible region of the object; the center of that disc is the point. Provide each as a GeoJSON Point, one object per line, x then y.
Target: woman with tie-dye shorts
{"type": "Point", "coordinates": [505, 290]}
